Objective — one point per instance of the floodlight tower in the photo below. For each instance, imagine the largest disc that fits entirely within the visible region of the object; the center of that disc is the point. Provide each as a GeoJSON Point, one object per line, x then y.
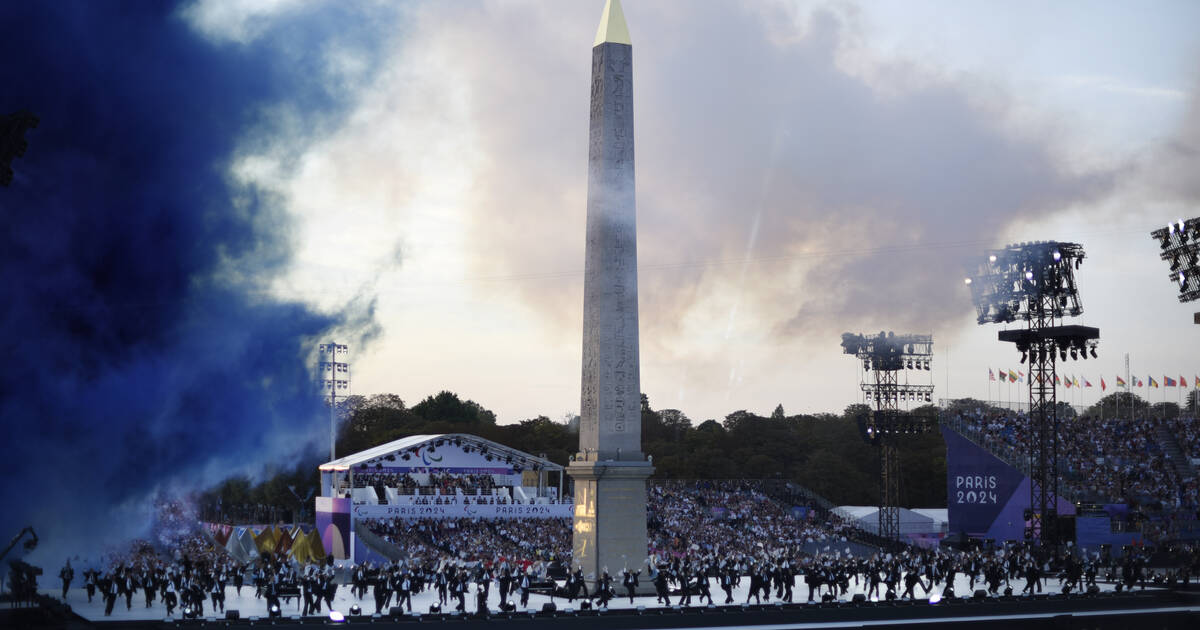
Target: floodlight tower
{"type": "Point", "coordinates": [885, 356]}
{"type": "Point", "coordinates": [1180, 243]}
{"type": "Point", "coordinates": [335, 378]}
{"type": "Point", "coordinates": [1035, 283]}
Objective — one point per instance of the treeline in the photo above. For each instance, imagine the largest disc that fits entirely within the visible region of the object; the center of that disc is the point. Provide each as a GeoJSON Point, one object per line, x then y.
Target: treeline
{"type": "Point", "coordinates": [824, 452]}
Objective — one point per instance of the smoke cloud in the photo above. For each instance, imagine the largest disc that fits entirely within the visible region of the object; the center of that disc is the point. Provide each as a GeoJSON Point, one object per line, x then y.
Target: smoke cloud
{"type": "Point", "coordinates": [144, 350]}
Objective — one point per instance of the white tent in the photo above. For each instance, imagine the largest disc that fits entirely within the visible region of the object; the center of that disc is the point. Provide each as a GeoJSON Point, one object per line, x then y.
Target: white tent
{"type": "Point", "coordinates": [867, 517]}
{"type": "Point", "coordinates": [940, 516]}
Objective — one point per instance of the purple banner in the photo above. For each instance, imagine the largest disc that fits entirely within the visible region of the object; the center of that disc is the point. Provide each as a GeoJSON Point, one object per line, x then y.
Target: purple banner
{"type": "Point", "coordinates": [979, 486]}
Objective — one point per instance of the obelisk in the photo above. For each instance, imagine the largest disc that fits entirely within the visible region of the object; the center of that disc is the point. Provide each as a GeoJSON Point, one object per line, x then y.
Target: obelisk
{"type": "Point", "coordinates": [610, 470]}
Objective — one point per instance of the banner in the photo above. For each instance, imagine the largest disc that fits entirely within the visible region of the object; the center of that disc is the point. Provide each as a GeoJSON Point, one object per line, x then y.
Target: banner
{"type": "Point", "coordinates": [978, 485]}
{"type": "Point", "coordinates": [986, 498]}
{"type": "Point", "coordinates": [553, 510]}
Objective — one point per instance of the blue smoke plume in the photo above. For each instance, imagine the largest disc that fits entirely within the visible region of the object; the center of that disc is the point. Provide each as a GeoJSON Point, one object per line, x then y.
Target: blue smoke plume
{"type": "Point", "coordinates": [142, 351]}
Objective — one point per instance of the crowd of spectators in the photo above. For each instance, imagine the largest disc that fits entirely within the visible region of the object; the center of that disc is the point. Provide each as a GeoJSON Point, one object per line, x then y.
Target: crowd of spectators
{"type": "Point", "coordinates": [728, 516]}
{"type": "Point", "coordinates": [432, 485]}
{"type": "Point", "coordinates": [468, 484]}
{"type": "Point", "coordinates": [683, 517]}
{"type": "Point", "coordinates": [1187, 434]}
{"type": "Point", "coordinates": [473, 539]}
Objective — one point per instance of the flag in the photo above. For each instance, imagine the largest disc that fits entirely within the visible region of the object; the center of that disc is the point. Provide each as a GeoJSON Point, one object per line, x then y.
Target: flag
{"type": "Point", "coordinates": [1138, 382]}
{"type": "Point", "coordinates": [1120, 382]}
{"type": "Point", "coordinates": [1012, 376]}
{"type": "Point", "coordinates": [1076, 381]}
{"type": "Point", "coordinates": [1057, 381]}
{"type": "Point", "coordinates": [1168, 381]}
{"type": "Point", "coordinates": [1182, 381]}
{"type": "Point", "coordinates": [1198, 382]}
{"type": "Point", "coordinates": [1103, 386]}
{"type": "Point", "coordinates": [1086, 383]}
{"type": "Point", "coordinates": [1067, 382]}
{"type": "Point", "coordinates": [1153, 383]}
{"type": "Point", "coordinates": [991, 375]}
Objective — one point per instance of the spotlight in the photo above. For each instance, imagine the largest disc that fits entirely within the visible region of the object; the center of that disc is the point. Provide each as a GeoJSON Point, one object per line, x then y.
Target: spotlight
{"type": "Point", "coordinates": [1062, 354]}
{"type": "Point", "coordinates": [336, 617]}
{"type": "Point", "coordinates": [935, 598]}
{"type": "Point", "coordinates": [1024, 355]}
{"type": "Point", "coordinates": [1074, 354]}
{"type": "Point", "coordinates": [968, 281]}
{"type": "Point", "coordinates": [434, 609]}
{"type": "Point", "coordinates": [273, 611]}
{"type": "Point", "coordinates": [992, 258]}
{"type": "Point", "coordinates": [1057, 256]}
{"type": "Point", "coordinates": [355, 611]}
{"type": "Point", "coordinates": [1029, 275]}
{"type": "Point", "coordinates": [1093, 350]}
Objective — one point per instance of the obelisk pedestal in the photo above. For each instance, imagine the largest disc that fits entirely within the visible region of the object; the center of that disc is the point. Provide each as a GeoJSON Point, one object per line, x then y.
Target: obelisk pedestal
{"type": "Point", "coordinates": [610, 470]}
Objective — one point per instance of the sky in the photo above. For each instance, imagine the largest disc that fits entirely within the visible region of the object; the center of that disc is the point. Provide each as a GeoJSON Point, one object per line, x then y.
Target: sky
{"type": "Point", "coordinates": [804, 169]}
{"type": "Point", "coordinates": [215, 187]}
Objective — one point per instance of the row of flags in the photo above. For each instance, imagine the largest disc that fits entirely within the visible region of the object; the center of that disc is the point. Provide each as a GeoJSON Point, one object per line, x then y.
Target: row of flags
{"type": "Point", "coordinates": [1074, 381]}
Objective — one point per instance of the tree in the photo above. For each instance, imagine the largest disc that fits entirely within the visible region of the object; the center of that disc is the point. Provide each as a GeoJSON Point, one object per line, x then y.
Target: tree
{"type": "Point", "coordinates": [778, 413]}
{"type": "Point", "coordinates": [447, 406]}
{"type": "Point", "coordinates": [675, 422]}
{"type": "Point", "coordinates": [1168, 410]}
{"type": "Point", "coordinates": [1120, 405]}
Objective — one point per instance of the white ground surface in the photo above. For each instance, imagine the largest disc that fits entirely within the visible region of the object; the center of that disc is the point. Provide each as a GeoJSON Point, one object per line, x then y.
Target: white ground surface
{"type": "Point", "coordinates": [248, 606]}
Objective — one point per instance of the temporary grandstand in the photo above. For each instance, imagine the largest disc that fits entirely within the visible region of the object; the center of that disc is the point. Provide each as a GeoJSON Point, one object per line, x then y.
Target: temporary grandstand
{"type": "Point", "coordinates": [1123, 481]}
{"type": "Point", "coordinates": [442, 476]}
{"type": "Point", "coordinates": [425, 469]}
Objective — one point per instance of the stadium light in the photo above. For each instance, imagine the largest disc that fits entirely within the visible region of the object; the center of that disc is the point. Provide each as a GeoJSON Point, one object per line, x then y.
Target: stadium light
{"type": "Point", "coordinates": [884, 356]}
{"type": "Point", "coordinates": [1035, 283]}
{"type": "Point", "coordinates": [1180, 245]}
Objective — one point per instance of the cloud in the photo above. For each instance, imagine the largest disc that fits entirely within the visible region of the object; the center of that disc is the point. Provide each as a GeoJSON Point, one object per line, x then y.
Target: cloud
{"type": "Point", "coordinates": [792, 185]}
{"type": "Point", "coordinates": [863, 180]}
{"type": "Point", "coordinates": [147, 352]}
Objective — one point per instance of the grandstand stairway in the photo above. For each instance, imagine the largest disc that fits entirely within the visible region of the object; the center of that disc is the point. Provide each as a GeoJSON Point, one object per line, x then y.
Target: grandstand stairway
{"type": "Point", "coordinates": [375, 543]}
{"type": "Point", "coordinates": [1166, 438]}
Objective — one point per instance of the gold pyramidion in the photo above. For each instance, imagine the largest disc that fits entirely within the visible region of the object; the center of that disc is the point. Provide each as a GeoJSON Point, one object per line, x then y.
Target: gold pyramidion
{"type": "Point", "coordinates": [612, 25]}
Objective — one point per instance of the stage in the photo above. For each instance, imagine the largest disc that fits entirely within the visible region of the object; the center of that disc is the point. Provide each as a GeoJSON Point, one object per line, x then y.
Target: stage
{"type": "Point", "coordinates": [1101, 610]}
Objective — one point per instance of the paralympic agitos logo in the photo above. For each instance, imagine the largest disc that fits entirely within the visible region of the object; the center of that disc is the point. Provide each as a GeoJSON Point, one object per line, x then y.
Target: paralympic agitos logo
{"type": "Point", "coordinates": [426, 458]}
